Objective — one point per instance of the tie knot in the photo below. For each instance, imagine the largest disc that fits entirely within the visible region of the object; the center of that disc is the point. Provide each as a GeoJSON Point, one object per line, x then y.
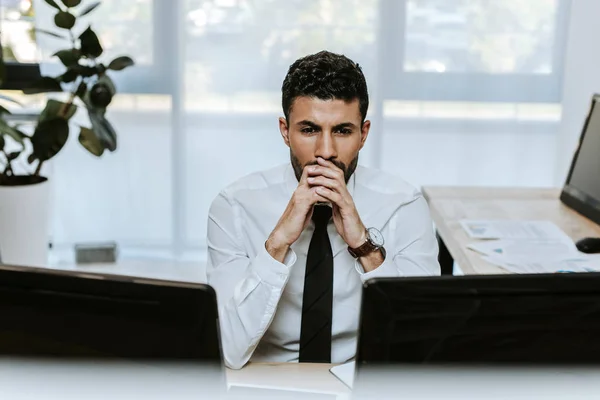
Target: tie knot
{"type": "Point", "coordinates": [321, 215]}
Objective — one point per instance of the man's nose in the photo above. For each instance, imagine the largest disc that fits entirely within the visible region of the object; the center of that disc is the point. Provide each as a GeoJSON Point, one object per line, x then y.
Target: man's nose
{"type": "Point", "coordinates": [326, 146]}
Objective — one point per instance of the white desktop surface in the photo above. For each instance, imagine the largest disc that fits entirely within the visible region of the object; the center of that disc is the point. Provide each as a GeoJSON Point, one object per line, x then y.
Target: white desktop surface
{"type": "Point", "coordinates": [183, 271]}
{"type": "Point", "coordinates": [53, 381]}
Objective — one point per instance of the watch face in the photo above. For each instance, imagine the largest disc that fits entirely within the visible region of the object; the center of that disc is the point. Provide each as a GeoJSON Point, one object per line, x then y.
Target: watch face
{"type": "Point", "coordinates": [375, 236]}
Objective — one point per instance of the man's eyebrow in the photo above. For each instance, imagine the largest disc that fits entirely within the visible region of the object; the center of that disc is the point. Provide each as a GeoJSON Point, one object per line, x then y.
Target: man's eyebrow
{"type": "Point", "coordinates": [308, 123]}
{"type": "Point", "coordinates": [344, 125]}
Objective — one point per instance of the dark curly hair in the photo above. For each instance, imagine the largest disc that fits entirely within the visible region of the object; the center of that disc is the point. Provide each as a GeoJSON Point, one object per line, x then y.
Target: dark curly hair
{"type": "Point", "coordinates": [326, 76]}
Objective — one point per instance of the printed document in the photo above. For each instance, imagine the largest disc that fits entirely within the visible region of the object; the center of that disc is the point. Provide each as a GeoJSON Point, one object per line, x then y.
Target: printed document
{"type": "Point", "coordinates": [526, 247]}
{"type": "Point", "coordinates": [529, 265]}
{"type": "Point", "coordinates": [508, 229]}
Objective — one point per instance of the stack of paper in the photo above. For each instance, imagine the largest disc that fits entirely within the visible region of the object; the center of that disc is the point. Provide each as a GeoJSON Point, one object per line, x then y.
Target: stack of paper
{"type": "Point", "coordinates": [528, 247]}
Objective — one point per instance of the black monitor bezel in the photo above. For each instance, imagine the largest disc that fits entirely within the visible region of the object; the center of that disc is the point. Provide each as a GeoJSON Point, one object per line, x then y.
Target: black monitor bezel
{"type": "Point", "coordinates": [30, 283]}
{"type": "Point", "coordinates": [377, 292]}
{"type": "Point", "coordinates": [572, 197]}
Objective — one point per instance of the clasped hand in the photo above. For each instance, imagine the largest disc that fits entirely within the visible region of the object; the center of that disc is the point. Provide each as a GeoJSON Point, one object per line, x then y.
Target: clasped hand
{"type": "Point", "coordinates": [323, 182]}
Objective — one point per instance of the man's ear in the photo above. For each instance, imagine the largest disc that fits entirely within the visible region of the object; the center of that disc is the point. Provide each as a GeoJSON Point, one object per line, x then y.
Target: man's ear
{"type": "Point", "coordinates": [285, 132]}
{"type": "Point", "coordinates": [364, 132]}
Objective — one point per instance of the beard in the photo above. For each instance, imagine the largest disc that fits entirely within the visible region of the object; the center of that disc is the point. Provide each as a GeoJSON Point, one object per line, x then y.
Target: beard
{"type": "Point", "coordinates": [348, 170]}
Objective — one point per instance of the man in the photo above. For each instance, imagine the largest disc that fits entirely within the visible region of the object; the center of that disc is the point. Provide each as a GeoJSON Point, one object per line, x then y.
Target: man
{"type": "Point", "coordinates": [289, 248]}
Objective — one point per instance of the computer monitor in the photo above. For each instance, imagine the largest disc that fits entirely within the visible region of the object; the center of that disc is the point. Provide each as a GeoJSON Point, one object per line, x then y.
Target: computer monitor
{"type": "Point", "coordinates": [50, 314]}
{"type": "Point", "coordinates": [538, 319]}
{"type": "Point", "coordinates": [581, 191]}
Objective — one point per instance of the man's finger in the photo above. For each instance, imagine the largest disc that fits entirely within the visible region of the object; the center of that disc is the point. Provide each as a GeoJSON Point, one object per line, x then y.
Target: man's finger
{"type": "Point", "coordinates": [321, 180]}
{"type": "Point", "coordinates": [304, 175]}
{"type": "Point", "coordinates": [330, 195]}
{"type": "Point", "coordinates": [316, 197]}
{"type": "Point", "coordinates": [328, 172]}
{"type": "Point", "coordinates": [328, 164]}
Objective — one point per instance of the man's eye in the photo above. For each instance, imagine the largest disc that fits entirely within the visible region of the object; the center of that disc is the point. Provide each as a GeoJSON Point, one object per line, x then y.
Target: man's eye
{"type": "Point", "coordinates": [307, 130]}
{"type": "Point", "coordinates": [345, 131]}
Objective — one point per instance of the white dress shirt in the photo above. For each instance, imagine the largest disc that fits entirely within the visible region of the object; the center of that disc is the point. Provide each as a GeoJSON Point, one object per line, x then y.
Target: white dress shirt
{"type": "Point", "coordinates": [260, 299]}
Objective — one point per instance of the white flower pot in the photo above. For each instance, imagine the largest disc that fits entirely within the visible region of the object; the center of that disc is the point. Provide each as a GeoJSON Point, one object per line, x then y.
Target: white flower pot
{"type": "Point", "coordinates": [24, 224]}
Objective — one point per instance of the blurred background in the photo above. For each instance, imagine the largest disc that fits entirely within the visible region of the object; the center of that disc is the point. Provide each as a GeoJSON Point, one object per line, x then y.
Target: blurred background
{"type": "Point", "coordinates": [463, 92]}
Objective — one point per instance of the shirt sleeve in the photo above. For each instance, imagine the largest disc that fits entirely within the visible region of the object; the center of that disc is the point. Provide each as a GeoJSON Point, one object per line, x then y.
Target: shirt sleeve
{"type": "Point", "coordinates": [413, 249]}
{"type": "Point", "coordinates": [248, 290]}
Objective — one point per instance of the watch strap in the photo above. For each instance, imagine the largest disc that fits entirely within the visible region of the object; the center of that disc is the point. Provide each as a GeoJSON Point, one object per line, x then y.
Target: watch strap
{"type": "Point", "coordinates": [366, 248]}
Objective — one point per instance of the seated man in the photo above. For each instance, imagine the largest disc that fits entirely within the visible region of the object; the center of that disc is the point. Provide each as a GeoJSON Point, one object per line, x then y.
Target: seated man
{"type": "Point", "coordinates": [289, 247]}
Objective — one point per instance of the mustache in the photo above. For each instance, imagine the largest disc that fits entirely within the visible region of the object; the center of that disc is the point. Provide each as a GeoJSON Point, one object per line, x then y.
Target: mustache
{"type": "Point", "coordinates": [337, 163]}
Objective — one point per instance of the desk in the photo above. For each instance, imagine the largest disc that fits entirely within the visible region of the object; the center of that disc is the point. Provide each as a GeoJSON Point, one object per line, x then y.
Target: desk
{"type": "Point", "coordinates": [448, 205]}
{"type": "Point", "coordinates": [301, 377]}
{"type": "Point", "coordinates": [314, 381]}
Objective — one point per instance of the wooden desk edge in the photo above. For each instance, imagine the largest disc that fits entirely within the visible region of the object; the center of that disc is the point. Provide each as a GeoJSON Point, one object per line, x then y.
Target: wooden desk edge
{"type": "Point", "coordinates": [437, 195]}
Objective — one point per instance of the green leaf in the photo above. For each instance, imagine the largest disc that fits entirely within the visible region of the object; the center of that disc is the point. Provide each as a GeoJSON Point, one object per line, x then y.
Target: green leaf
{"type": "Point", "coordinates": [68, 57]}
{"type": "Point", "coordinates": [49, 138]}
{"type": "Point", "coordinates": [89, 140]}
{"type": "Point", "coordinates": [101, 93]}
{"type": "Point", "coordinates": [69, 76]}
{"type": "Point", "coordinates": [120, 63]}
{"type": "Point", "coordinates": [103, 129]}
{"type": "Point", "coordinates": [53, 4]}
{"type": "Point", "coordinates": [43, 85]}
{"type": "Point", "coordinates": [4, 110]}
{"type": "Point", "coordinates": [86, 71]}
{"type": "Point", "coordinates": [56, 35]}
{"type": "Point", "coordinates": [6, 129]}
{"type": "Point", "coordinates": [57, 109]}
{"type": "Point", "coordinates": [81, 90]}
{"type": "Point", "coordinates": [89, 9]}
{"type": "Point", "coordinates": [71, 3]}
{"type": "Point", "coordinates": [3, 97]}
{"type": "Point", "coordinates": [105, 79]}
{"type": "Point", "coordinates": [13, 155]}
{"type": "Point", "coordinates": [90, 45]}
{"type": "Point", "coordinates": [64, 19]}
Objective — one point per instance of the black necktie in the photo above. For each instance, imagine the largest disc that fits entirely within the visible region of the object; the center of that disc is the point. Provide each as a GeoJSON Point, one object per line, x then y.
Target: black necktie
{"type": "Point", "coordinates": [315, 330]}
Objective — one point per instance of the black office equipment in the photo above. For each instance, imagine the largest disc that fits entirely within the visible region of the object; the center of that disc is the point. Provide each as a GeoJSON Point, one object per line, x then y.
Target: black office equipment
{"type": "Point", "coordinates": [588, 245]}
{"type": "Point", "coordinates": [581, 190]}
{"type": "Point", "coordinates": [541, 319]}
{"type": "Point", "coordinates": [85, 334]}
{"type": "Point", "coordinates": [50, 313]}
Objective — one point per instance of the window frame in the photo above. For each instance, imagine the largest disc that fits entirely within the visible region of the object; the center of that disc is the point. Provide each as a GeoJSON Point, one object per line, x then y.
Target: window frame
{"type": "Point", "coordinates": [404, 85]}
{"type": "Point", "coordinates": [467, 87]}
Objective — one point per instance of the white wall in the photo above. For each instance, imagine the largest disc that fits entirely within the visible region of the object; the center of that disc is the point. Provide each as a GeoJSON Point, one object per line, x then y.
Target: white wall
{"type": "Point", "coordinates": [581, 79]}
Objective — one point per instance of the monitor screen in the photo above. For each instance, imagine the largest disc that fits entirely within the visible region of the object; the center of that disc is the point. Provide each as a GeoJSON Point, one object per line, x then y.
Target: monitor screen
{"type": "Point", "coordinates": [73, 335]}
{"type": "Point", "coordinates": [93, 316]}
{"type": "Point", "coordinates": [488, 319]}
{"type": "Point", "coordinates": [582, 188]}
{"type": "Point", "coordinates": [587, 167]}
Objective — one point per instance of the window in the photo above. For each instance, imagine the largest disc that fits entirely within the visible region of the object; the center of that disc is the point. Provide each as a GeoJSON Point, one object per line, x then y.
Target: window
{"type": "Point", "coordinates": [19, 49]}
{"type": "Point", "coordinates": [143, 29]}
{"type": "Point", "coordinates": [200, 107]}
{"type": "Point", "coordinates": [475, 50]}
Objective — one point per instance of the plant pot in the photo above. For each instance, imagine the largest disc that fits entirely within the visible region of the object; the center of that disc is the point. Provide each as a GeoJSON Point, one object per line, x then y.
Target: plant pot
{"type": "Point", "coordinates": [25, 221]}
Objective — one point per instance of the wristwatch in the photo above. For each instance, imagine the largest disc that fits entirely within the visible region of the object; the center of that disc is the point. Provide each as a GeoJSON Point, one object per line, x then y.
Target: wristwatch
{"type": "Point", "coordinates": [373, 243]}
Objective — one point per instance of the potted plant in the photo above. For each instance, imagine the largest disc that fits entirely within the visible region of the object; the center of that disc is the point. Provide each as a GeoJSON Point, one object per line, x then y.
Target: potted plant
{"type": "Point", "coordinates": [24, 195]}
